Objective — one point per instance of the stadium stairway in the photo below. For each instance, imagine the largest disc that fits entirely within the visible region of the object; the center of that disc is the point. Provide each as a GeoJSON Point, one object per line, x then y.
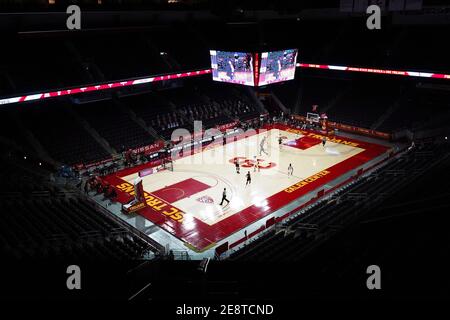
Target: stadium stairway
{"type": "Point", "coordinates": [257, 102]}
{"type": "Point", "coordinates": [114, 125]}
{"type": "Point", "coordinates": [148, 107]}
{"type": "Point", "coordinates": [139, 121]}
{"type": "Point", "coordinates": [84, 67]}
{"type": "Point", "coordinates": [94, 134]}
{"type": "Point", "coordinates": [279, 104]}
{"type": "Point", "coordinates": [388, 112]}
{"type": "Point", "coordinates": [335, 100]}
{"type": "Point", "coordinates": [296, 103]}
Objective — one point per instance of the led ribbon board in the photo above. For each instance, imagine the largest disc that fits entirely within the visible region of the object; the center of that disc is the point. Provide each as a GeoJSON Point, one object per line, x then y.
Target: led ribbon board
{"type": "Point", "coordinates": [127, 83]}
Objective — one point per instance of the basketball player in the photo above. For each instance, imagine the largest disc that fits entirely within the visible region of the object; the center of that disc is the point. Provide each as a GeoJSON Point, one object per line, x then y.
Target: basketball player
{"type": "Point", "coordinates": [277, 68]}
{"type": "Point", "coordinates": [249, 178]}
{"type": "Point", "coordinates": [234, 64]}
{"type": "Point", "coordinates": [248, 62]}
{"type": "Point", "coordinates": [256, 166]}
{"type": "Point", "coordinates": [224, 196]}
{"type": "Point", "coordinates": [324, 141]}
{"type": "Point", "coordinates": [238, 168]}
{"type": "Point", "coordinates": [230, 70]}
{"type": "Point", "coordinates": [290, 170]}
{"type": "Point", "coordinates": [261, 147]}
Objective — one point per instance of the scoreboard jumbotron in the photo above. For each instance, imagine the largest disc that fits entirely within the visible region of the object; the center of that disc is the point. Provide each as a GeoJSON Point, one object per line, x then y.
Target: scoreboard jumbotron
{"type": "Point", "coordinates": [253, 69]}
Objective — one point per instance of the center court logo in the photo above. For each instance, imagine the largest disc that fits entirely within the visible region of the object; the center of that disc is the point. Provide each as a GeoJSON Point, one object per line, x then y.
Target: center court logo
{"type": "Point", "coordinates": [250, 163]}
{"type": "Point", "coordinates": [205, 199]}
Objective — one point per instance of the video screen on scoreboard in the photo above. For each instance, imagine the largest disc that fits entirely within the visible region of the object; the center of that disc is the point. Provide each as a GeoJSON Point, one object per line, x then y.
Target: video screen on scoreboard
{"type": "Point", "coordinates": [277, 66]}
{"type": "Point", "coordinates": [233, 67]}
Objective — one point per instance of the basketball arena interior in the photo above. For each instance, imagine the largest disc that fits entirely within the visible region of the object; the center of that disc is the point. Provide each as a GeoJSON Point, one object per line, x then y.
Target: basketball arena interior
{"type": "Point", "coordinates": [196, 152]}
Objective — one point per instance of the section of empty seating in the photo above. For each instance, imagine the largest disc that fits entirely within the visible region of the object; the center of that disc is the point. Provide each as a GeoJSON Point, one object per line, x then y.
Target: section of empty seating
{"type": "Point", "coordinates": [114, 124]}
{"type": "Point", "coordinates": [40, 220]}
{"type": "Point", "coordinates": [60, 133]}
{"type": "Point", "coordinates": [213, 104]}
{"type": "Point", "coordinates": [233, 100]}
{"type": "Point", "coordinates": [41, 70]}
{"type": "Point", "coordinates": [95, 58]}
{"type": "Point", "coordinates": [271, 105]}
{"type": "Point", "coordinates": [288, 93]}
{"type": "Point", "coordinates": [9, 132]}
{"type": "Point", "coordinates": [181, 47]}
{"type": "Point", "coordinates": [5, 84]}
{"type": "Point", "coordinates": [360, 46]}
{"type": "Point", "coordinates": [419, 107]}
{"type": "Point", "coordinates": [311, 44]}
{"type": "Point", "coordinates": [296, 236]}
{"type": "Point", "coordinates": [66, 227]}
{"type": "Point", "coordinates": [309, 90]}
{"type": "Point", "coordinates": [344, 43]}
{"type": "Point", "coordinates": [209, 113]}
{"type": "Point", "coordinates": [323, 92]}
{"type": "Point", "coordinates": [409, 104]}
{"type": "Point", "coordinates": [365, 102]}
{"type": "Point", "coordinates": [193, 105]}
{"type": "Point", "coordinates": [155, 111]}
{"type": "Point", "coordinates": [239, 109]}
{"type": "Point", "coordinates": [410, 228]}
{"type": "Point", "coordinates": [20, 181]}
{"type": "Point", "coordinates": [427, 53]}
{"type": "Point", "coordinates": [121, 55]}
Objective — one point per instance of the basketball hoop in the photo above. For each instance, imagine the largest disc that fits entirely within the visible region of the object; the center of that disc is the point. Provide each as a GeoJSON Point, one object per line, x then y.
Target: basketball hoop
{"type": "Point", "coordinates": [167, 164]}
